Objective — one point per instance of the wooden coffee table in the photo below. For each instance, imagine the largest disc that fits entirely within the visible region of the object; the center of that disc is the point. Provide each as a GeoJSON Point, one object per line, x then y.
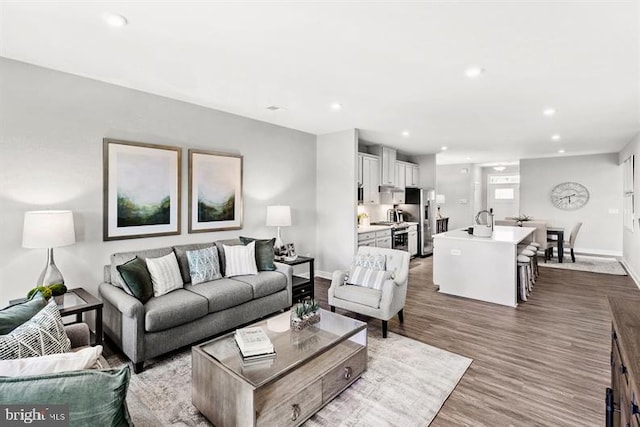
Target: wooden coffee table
{"type": "Point", "coordinates": [311, 367]}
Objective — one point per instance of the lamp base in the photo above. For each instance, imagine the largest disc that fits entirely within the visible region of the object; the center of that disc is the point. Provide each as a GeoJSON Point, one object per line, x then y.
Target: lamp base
{"type": "Point", "coordinates": [50, 275]}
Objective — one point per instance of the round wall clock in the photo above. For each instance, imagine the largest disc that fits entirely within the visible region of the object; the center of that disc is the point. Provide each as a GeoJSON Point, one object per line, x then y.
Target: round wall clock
{"type": "Point", "coordinates": [569, 196]}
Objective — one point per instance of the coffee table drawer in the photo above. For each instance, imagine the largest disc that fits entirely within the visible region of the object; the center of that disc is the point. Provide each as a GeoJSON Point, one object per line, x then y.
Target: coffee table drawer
{"type": "Point", "coordinates": [337, 379]}
{"type": "Point", "coordinates": [295, 409]}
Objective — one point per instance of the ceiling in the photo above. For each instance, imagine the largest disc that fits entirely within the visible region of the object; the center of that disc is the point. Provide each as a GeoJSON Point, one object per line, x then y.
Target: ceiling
{"type": "Point", "coordinates": [393, 66]}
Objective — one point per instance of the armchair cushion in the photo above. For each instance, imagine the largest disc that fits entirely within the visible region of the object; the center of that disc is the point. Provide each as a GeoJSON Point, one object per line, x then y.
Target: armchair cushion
{"type": "Point", "coordinates": [376, 262]}
{"type": "Point", "coordinates": [359, 294]}
{"type": "Point", "coordinates": [368, 277]}
{"type": "Point", "coordinates": [15, 315]}
{"type": "Point", "coordinates": [87, 358]}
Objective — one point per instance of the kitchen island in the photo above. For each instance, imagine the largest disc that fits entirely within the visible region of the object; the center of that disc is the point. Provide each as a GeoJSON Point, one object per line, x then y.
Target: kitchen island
{"type": "Point", "coordinates": [482, 268]}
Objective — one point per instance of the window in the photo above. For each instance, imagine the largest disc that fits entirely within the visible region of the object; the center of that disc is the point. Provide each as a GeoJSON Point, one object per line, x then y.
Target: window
{"type": "Point", "coordinates": [627, 192]}
{"type": "Point", "coordinates": [504, 194]}
{"type": "Point", "coordinates": [504, 179]}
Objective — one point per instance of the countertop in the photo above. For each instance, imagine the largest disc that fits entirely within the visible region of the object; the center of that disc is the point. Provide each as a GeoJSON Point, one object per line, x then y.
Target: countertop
{"type": "Point", "coordinates": [501, 234]}
{"type": "Point", "coordinates": [370, 228]}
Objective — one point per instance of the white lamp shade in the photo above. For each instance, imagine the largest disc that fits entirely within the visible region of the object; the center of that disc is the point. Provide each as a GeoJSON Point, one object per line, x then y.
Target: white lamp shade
{"type": "Point", "coordinates": [48, 229]}
{"type": "Point", "coordinates": [278, 216]}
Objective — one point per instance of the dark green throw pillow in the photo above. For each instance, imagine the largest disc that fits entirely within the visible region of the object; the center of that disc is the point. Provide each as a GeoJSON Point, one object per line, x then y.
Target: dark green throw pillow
{"type": "Point", "coordinates": [94, 397]}
{"type": "Point", "coordinates": [15, 315]}
{"type": "Point", "coordinates": [136, 277]}
{"type": "Point", "coordinates": [264, 252]}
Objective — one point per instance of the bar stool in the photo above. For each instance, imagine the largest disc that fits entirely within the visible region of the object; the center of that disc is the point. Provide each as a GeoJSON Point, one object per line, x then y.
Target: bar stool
{"type": "Point", "coordinates": [534, 249]}
{"type": "Point", "coordinates": [532, 276]}
{"type": "Point", "coordinates": [524, 264]}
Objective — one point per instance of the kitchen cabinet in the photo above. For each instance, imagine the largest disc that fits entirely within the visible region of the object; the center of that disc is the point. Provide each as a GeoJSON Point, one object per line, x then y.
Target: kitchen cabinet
{"type": "Point", "coordinates": [413, 240]}
{"type": "Point", "coordinates": [387, 170]}
{"type": "Point", "coordinates": [398, 197]}
{"type": "Point", "coordinates": [380, 239]}
{"type": "Point", "coordinates": [359, 176]}
{"type": "Point", "coordinates": [412, 175]}
{"type": "Point", "coordinates": [370, 179]}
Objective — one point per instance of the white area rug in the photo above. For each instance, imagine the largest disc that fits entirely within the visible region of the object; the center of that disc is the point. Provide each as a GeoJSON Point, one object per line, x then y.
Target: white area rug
{"type": "Point", "coordinates": [406, 384]}
{"type": "Point", "coordinates": [586, 263]}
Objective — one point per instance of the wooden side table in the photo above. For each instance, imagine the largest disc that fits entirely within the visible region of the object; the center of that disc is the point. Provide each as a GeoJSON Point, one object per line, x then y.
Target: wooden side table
{"type": "Point", "coordinates": [302, 287]}
{"type": "Point", "coordinates": [77, 301]}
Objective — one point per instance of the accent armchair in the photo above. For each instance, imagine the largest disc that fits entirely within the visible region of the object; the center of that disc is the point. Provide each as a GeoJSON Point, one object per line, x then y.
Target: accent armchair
{"type": "Point", "coordinates": [383, 303]}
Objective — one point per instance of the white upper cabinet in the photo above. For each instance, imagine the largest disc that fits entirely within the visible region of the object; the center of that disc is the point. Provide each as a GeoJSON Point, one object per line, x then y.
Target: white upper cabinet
{"type": "Point", "coordinates": [370, 179]}
{"type": "Point", "coordinates": [398, 197]}
{"type": "Point", "coordinates": [388, 166]}
{"type": "Point", "coordinates": [412, 175]}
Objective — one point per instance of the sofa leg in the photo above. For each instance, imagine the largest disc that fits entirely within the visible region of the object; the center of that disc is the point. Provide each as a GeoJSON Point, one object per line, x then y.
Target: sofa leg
{"type": "Point", "coordinates": [137, 367]}
{"type": "Point", "coordinates": [401, 316]}
{"type": "Point", "coordinates": [333, 309]}
{"type": "Point", "coordinates": [573, 256]}
{"type": "Point", "coordinates": [384, 329]}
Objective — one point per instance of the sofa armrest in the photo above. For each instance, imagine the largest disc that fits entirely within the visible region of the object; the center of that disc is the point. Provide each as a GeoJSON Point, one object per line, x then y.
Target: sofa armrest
{"type": "Point", "coordinates": [122, 301]}
{"type": "Point", "coordinates": [78, 334]}
{"type": "Point", "coordinates": [287, 270]}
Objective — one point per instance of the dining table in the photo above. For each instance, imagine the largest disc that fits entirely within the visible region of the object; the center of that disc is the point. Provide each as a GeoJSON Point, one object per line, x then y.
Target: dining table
{"type": "Point", "coordinates": [558, 231]}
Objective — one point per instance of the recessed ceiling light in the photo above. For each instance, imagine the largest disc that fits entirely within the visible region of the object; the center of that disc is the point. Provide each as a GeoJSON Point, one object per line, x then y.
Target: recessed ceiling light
{"type": "Point", "coordinates": [405, 133]}
{"type": "Point", "coordinates": [474, 72]}
{"type": "Point", "coordinates": [274, 108]}
{"type": "Point", "coordinates": [561, 151]}
{"type": "Point", "coordinates": [444, 148]}
{"type": "Point", "coordinates": [336, 106]}
{"type": "Point", "coordinates": [114, 20]}
{"type": "Point", "coordinates": [499, 168]}
{"type": "Point", "coordinates": [555, 137]}
{"type": "Point", "coordinates": [549, 112]}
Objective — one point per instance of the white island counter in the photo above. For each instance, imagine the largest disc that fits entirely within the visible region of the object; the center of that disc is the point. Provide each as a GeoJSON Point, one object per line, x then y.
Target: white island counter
{"type": "Point", "coordinates": [482, 268]}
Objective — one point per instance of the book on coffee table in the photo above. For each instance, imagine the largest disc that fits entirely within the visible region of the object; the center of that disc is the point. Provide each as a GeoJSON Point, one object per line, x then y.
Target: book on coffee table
{"type": "Point", "coordinates": [253, 342]}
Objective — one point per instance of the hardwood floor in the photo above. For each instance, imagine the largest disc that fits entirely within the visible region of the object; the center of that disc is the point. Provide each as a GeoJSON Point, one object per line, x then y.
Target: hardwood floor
{"type": "Point", "coordinates": [544, 363]}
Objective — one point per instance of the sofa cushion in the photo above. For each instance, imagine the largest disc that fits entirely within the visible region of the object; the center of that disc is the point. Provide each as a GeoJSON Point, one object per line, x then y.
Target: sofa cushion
{"type": "Point", "coordinates": [359, 294]}
{"type": "Point", "coordinates": [42, 334]}
{"type": "Point", "coordinates": [173, 309]}
{"type": "Point", "coordinates": [220, 245]}
{"type": "Point", "coordinates": [204, 265]}
{"type": "Point", "coordinates": [122, 257]}
{"type": "Point", "coordinates": [368, 277]}
{"type": "Point", "coordinates": [15, 315]}
{"type": "Point", "coordinates": [165, 274]}
{"type": "Point", "coordinates": [94, 397]}
{"type": "Point", "coordinates": [264, 252]}
{"type": "Point", "coordinates": [265, 283]}
{"type": "Point", "coordinates": [223, 293]}
{"type": "Point", "coordinates": [136, 278]}
{"type": "Point", "coordinates": [240, 260]}
{"type": "Point", "coordinates": [183, 261]}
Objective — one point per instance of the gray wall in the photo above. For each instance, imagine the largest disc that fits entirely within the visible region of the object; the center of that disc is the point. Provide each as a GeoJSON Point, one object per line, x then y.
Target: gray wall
{"type": "Point", "coordinates": [51, 130]}
{"type": "Point", "coordinates": [336, 201]}
{"type": "Point", "coordinates": [457, 188]}
{"type": "Point", "coordinates": [631, 239]}
{"type": "Point", "coordinates": [601, 232]}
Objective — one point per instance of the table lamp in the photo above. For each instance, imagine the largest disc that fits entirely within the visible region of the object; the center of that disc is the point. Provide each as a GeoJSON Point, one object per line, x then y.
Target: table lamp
{"type": "Point", "coordinates": [48, 229]}
{"type": "Point", "coordinates": [278, 216]}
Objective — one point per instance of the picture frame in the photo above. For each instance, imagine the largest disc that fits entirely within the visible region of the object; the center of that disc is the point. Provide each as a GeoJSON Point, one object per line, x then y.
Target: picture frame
{"type": "Point", "coordinates": [215, 191]}
{"type": "Point", "coordinates": [290, 250]}
{"type": "Point", "coordinates": [141, 189]}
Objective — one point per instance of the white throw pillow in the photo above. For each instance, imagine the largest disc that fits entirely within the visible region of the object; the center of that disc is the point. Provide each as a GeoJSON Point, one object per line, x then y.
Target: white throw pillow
{"type": "Point", "coordinates": [376, 262]}
{"type": "Point", "coordinates": [240, 260]}
{"type": "Point", "coordinates": [204, 265]}
{"type": "Point", "coordinates": [87, 358]}
{"type": "Point", "coordinates": [165, 274]}
{"type": "Point", "coordinates": [367, 277]}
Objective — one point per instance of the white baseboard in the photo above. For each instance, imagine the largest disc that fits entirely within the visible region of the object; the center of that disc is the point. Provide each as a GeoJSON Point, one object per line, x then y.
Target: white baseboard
{"type": "Point", "coordinates": [586, 251]}
{"type": "Point", "coordinates": [324, 274]}
{"type": "Point", "coordinates": [635, 276]}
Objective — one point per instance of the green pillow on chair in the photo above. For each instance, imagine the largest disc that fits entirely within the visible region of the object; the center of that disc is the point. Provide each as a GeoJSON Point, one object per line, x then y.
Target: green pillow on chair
{"type": "Point", "coordinates": [264, 252]}
{"type": "Point", "coordinates": [15, 315]}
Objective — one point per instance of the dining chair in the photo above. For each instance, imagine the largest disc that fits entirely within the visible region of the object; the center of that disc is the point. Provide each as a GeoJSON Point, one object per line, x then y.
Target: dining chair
{"type": "Point", "coordinates": [567, 244]}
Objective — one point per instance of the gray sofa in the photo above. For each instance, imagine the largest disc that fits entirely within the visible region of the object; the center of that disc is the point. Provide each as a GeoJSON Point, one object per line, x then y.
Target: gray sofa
{"type": "Point", "coordinates": [184, 316]}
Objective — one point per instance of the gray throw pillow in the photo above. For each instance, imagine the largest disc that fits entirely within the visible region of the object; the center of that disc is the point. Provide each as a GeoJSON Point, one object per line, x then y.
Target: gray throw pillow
{"type": "Point", "coordinates": [94, 397]}
{"type": "Point", "coordinates": [204, 265]}
{"type": "Point", "coordinates": [137, 280]}
{"type": "Point", "coordinates": [15, 315]}
{"type": "Point", "coordinates": [42, 334]}
{"type": "Point", "coordinates": [264, 252]}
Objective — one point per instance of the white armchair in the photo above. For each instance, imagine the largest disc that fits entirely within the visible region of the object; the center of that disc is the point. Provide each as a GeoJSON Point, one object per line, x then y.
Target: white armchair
{"type": "Point", "coordinates": [381, 303]}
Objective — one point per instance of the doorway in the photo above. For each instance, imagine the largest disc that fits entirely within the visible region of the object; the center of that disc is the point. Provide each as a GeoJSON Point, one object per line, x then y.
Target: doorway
{"type": "Point", "coordinates": [503, 195]}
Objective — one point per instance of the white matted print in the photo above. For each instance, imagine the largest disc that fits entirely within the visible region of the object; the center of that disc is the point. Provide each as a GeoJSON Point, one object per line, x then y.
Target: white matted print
{"type": "Point", "coordinates": [215, 191]}
{"type": "Point", "coordinates": [141, 190]}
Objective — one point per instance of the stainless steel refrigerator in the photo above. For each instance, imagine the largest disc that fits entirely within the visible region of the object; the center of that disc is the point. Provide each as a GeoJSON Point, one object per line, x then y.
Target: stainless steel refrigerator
{"type": "Point", "coordinates": [417, 208]}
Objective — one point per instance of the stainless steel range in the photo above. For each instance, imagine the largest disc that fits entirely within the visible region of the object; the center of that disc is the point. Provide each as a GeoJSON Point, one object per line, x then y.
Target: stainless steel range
{"type": "Point", "coordinates": [399, 234]}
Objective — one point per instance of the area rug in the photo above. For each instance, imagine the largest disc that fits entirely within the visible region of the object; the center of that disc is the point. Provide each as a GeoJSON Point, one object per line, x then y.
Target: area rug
{"type": "Point", "coordinates": [406, 383]}
{"type": "Point", "coordinates": [587, 263]}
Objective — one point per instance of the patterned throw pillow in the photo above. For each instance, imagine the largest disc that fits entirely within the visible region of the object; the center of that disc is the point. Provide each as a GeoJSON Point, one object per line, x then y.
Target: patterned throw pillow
{"type": "Point", "coordinates": [367, 277]}
{"type": "Point", "coordinates": [376, 262]}
{"type": "Point", "coordinates": [240, 260]}
{"type": "Point", "coordinates": [165, 274]}
{"type": "Point", "coordinates": [41, 335]}
{"type": "Point", "coordinates": [204, 265]}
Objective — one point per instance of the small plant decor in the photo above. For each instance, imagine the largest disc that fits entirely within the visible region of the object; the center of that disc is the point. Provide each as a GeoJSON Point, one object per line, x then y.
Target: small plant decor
{"type": "Point", "coordinates": [304, 314]}
{"type": "Point", "coordinates": [47, 291]}
{"type": "Point", "coordinates": [522, 218]}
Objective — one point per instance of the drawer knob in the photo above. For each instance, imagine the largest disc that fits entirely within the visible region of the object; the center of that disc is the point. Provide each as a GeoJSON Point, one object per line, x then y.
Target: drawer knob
{"type": "Point", "coordinates": [295, 411]}
{"type": "Point", "coordinates": [347, 373]}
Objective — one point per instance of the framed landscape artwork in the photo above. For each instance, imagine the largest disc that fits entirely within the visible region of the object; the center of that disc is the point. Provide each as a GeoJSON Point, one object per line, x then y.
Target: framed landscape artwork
{"type": "Point", "coordinates": [215, 191]}
{"type": "Point", "coordinates": [141, 190]}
